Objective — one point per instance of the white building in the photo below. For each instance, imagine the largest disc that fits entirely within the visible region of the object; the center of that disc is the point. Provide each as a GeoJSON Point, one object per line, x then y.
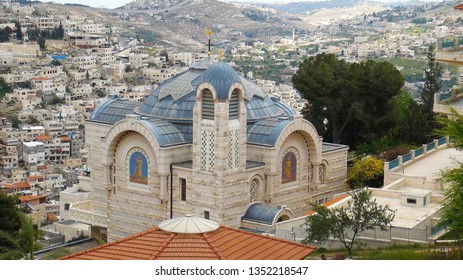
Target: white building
{"type": "Point", "coordinates": [33, 154]}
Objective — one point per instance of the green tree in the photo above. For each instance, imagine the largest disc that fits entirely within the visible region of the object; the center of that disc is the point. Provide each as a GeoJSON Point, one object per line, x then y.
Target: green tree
{"type": "Point", "coordinates": [32, 120]}
{"type": "Point", "coordinates": [19, 33]}
{"type": "Point", "coordinates": [9, 218]}
{"type": "Point", "coordinates": [452, 204]}
{"type": "Point", "coordinates": [5, 34]}
{"type": "Point", "coordinates": [414, 124]}
{"type": "Point", "coordinates": [349, 103]}
{"type": "Point", "coordinates": [23, 243]}
{"type": "Point", "coordinates": [433, 81]}
{"type": "Point", "coordinates": [41, 41]}
{"type": "Point", "coordinates": [346, 223]}
{"type": "Point", "coordinates": [55, 62]}
{"type": "Point", "coordinates": [4, 87]}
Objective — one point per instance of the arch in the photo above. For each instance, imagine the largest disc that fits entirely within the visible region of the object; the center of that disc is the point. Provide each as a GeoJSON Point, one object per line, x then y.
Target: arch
{"type": "Point", "coordinates": [236, 87]}
{"type": "Point", "coordinates": [119, 131]}
{"type": "Point", "coordinates": [283, 215]}
{"type": "Point", "coordinates": [324, 170]}
{"type": "Point", "coordinates": [261, 187]}
{"type": "Point", "coordinates": [205, 86]}
{"type": "Point", "coordinates": [308, 131]}
{"type": "Point", "coordinates": [207, 105]}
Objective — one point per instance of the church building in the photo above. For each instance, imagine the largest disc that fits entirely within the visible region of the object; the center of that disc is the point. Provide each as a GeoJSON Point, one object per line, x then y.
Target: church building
{"type": "Point", "coordinates": [206, 142]}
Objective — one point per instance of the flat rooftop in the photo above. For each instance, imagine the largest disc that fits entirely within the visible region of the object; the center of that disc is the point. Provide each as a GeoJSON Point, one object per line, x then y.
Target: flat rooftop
{"type": "Point", "coordinates": [407, 216]}
{"type": "Point", "coordinates": [432, 165]}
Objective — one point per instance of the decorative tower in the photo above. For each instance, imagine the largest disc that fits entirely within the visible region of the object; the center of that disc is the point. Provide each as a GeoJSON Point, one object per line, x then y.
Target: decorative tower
{"type": "Point", "coordinates": [219, 144]}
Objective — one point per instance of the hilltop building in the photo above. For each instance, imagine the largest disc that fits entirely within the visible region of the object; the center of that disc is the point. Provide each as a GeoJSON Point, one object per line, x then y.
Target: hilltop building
{"type": "Point", "coordinates": [206, 142]}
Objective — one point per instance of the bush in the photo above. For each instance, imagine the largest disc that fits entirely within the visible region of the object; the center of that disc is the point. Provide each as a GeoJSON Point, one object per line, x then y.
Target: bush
{"type": "Point", "coordinates": [369, 171]}
{"type": "Point", "coordinates": [393, 153]}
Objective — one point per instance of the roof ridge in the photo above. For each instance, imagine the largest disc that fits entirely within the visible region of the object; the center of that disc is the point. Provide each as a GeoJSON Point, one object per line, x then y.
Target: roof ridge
{"type": "Point", "coordinates": [213, 247]}
{"type": "Point", "coordinates": [150, 230]}
{"type": "Point", "coordinates": [163, 246]}
{"type": "Point", "coordinates": [269, 237]}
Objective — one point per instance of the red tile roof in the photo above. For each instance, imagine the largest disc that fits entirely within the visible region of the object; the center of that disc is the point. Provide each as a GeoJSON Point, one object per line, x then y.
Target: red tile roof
{"type": "Point", "coordinates": [225, 243]}
{"type": "Point", "coordinates": [27, 198]}
{"type": "Point", "coordinates": [22, 185]}
{"type": "Point", "coordinates": [43, 137]}
{"type": "Point", "coordinates": [35, 177]}
{"type": "Point", "coordinates": [459, 7]}
{"type": "Point", "coordinates": [40, 79]}
{"type": "Point", "coordinates": [327, 204]}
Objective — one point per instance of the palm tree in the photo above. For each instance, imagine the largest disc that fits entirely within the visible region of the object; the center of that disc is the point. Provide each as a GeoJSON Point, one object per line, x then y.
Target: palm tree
{"type": "Point", "coordinates": [22, 244]}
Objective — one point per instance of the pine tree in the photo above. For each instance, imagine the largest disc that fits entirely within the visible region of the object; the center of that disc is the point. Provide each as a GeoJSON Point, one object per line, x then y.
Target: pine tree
{"type": "Point", "coordinates": [433, 82]}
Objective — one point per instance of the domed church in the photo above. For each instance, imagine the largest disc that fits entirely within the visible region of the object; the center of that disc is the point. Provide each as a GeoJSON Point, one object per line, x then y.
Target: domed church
{"type": "Point", "coordinates": [211, 143]}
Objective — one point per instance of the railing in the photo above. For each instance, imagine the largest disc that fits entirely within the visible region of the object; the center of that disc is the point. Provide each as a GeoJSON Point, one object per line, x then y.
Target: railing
{"type": "Point", "coordinates": [419, 152]}
{"type": "Point", "coordinates": [415, 154]}
{"type": "Point", "coordinates": [444, 96]}
{"type": "Point", "coordinates": [298, 234]}
{"type": "Point", "coordinates": [83, 212]}
{"type": "Point", "coordinates": [393, 164]}
{"type": "Point", "coordinates": [441, 141]}
{"type": "Point", "coordinates": [430, 146]}
{"type": "Point", "coordinates": [406, 157]}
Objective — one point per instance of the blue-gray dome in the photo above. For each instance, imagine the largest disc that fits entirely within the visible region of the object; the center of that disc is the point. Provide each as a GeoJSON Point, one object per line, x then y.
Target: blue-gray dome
{"type": "Point", "coordinates": [175, 98]}
{"type": "Point", "coordinates": [221, 76]}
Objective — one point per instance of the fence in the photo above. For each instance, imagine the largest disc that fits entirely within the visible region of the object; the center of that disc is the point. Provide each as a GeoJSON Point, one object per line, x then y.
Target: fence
{"type": "Point", "coordinates": [297, 234]}
{"type": "Point", "coordinates": [414, 154]}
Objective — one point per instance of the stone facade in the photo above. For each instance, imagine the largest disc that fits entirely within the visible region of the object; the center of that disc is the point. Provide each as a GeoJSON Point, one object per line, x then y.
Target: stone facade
{"type": "Point", "coordinates": [137, 180]}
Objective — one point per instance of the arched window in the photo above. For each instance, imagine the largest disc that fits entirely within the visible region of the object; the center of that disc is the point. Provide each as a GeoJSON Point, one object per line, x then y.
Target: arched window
{"type": "Point", "coordinates": [233, 108]}
{"type": "Point", "coordinates": [207, 105]}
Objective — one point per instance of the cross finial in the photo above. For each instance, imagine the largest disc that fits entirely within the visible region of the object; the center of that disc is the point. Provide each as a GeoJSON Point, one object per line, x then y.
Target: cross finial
{"type": "Point", "coordinates": [208, 33]}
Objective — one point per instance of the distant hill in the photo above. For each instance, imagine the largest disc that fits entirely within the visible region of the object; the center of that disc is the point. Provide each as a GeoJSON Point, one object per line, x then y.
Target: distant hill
{"type": "Point", "coordinates": [26, 2]}
{"type": "Point", "coordinates": [304, 7]}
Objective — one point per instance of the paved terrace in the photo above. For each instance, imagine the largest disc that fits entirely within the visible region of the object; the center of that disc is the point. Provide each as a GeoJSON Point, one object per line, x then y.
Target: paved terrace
{"type": "Point", "coordinates": [432, 165]}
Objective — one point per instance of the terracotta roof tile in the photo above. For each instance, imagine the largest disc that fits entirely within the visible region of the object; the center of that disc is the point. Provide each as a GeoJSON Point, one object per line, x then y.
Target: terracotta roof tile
{"type": "Point", "coordinates": [35, 177]}
{"type": "Point", "coordinates": [22, 185]}
{"type": "Point", "coordinates": [327, 204]}
{"type": "Point", "coordinates": [30, 197]}
{"type": "Point", "coordinates": [43, 137]}
{"type": "Point", "coordinates": [459, 7]}
{"type": "Point", "coordinates": [223, 243]}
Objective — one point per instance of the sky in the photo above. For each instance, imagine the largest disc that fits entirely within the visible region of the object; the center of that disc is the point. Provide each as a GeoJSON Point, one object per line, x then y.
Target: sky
{"type": "Point", "coordinates": [118, 3]}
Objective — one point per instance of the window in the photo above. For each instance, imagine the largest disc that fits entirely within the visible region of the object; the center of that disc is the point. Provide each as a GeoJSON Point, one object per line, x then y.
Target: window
{"type": "Point", "coordinates": [233, 108]}
{"type": "Point", "coordinates": [411, 201]}
{"type": "Point", "coordinates": [206, 215]}
{"type": "Point", "coordinates": [253, 190]}
{"type": "Point", "coordinates": [207, 106]}
{"type": "Point", "coordinates": [66, 206]}
{"type": "Point", "coordinates": [182, 189]}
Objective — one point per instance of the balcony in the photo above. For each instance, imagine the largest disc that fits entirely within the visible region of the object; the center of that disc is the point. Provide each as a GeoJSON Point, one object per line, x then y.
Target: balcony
{"type": "Point", "coordinates": [83, 212]}
{"type": "Point", "coordinates": [450, 51]}
{"type": "Point", "coordinates": [448, 104]}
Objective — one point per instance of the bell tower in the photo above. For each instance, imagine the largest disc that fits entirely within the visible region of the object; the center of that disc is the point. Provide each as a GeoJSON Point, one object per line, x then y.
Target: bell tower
{"type": "Point", "coordinates": [219, 143]}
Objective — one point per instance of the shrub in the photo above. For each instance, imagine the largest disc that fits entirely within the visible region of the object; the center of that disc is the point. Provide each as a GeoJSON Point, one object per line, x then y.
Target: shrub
{"type": "Point", "coordinates": [366, 172]}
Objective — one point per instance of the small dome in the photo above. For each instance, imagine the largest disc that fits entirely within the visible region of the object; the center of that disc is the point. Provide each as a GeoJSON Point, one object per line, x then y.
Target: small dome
{"type": "Point", "coordinates": [221, 76]}
{"type": "Point", "coordinates": [188, 224]}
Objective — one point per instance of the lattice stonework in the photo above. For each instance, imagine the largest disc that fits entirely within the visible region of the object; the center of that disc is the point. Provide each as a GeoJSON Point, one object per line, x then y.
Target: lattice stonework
{"type": "Point", "coordinates": [253, 190]}
{"type": "Point", "coordinates": [207, 150]}
{"type": "Point", "coordinates": [233, 149]}
{"type": "Point", "coordinates": [321, 173]}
